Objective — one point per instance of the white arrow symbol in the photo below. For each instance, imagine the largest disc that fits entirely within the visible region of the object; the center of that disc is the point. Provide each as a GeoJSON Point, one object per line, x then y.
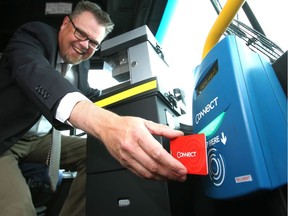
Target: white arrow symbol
{"type": "Point", "coordinates": [223, 138]}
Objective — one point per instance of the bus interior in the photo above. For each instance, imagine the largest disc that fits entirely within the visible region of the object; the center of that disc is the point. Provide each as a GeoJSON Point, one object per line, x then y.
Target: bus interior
{"type": "Point", "coordinates": [225, 59]}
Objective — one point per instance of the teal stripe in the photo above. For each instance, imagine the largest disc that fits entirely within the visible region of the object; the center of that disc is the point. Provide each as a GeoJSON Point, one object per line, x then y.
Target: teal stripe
{"type": "Point", "coordinates": [166, 18]}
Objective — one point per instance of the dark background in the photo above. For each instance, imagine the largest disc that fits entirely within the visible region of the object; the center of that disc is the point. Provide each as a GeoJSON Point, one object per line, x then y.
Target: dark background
{"type": "Point", "coordinates": [126, 14]}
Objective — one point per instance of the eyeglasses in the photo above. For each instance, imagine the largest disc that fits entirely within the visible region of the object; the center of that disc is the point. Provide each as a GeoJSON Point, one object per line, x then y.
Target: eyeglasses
{"type": "Point", "coordinates": [80, 35]}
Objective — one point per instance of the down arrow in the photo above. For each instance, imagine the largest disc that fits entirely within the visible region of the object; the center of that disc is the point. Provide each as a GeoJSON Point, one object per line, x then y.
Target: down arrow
{"type": "Point", "coordinates": [223, 138]}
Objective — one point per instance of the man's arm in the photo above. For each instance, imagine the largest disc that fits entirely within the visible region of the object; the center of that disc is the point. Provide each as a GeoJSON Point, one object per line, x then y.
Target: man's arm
{"type": "Point", "coordinates": [130, 141]}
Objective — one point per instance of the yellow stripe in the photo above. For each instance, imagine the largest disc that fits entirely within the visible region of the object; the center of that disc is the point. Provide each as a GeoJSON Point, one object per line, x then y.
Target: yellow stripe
{"type": "Point", "coordinates": [127, 93]}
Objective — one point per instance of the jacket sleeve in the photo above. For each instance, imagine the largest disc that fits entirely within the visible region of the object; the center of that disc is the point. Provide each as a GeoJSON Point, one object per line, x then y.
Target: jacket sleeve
{"type": "Point", "coordinates": [30, 57]}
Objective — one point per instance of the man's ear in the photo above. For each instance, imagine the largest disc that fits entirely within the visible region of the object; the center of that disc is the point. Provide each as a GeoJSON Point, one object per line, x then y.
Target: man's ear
{"type": "Point", "coordinates": [65, 22]}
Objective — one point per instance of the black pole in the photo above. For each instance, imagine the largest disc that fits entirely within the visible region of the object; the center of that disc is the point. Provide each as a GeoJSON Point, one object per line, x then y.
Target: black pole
{"type": "Point", "coordinates": [251, 17]}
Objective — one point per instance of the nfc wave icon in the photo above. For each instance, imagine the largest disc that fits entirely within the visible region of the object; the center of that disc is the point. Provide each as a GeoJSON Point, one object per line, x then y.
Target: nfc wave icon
{"type": "Point", "coordinates": [216, 167]}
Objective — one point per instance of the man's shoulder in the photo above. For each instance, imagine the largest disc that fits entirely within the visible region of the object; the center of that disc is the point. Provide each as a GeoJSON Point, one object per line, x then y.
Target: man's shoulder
{"type": "Point", "coordinates": [38, 30]}
{"type": "Point", "coordinates": [37, 25]}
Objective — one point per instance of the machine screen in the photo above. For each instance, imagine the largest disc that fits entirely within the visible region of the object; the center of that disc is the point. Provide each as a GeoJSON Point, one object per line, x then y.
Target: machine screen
{"type": "Point", "coordinates": [208, 77]}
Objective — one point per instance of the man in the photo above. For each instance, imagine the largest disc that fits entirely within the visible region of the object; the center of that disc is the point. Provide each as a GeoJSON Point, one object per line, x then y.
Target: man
{"type": "Point", "coordinates": [32, 87]}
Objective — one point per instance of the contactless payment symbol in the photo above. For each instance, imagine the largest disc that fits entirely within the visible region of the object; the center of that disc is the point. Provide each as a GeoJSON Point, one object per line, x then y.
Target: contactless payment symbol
{"type": "Point", "coordinates": [216, 167]}
{"type": "Point", "coordinates": [191, 151]}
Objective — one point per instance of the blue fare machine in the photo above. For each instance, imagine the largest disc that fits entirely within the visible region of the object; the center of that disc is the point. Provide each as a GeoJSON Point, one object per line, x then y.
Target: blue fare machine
{"type": "Point", "coordinates": [238, 103]}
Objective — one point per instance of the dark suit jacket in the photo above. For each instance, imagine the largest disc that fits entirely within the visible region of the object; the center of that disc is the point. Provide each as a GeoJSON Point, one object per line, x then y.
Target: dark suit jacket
{"type": "Point", "coordinates": [30, 86]}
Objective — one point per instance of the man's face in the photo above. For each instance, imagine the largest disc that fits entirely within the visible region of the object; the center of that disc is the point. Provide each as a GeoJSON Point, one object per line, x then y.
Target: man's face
{"type": "Point", "coordinates": [74, 50]}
